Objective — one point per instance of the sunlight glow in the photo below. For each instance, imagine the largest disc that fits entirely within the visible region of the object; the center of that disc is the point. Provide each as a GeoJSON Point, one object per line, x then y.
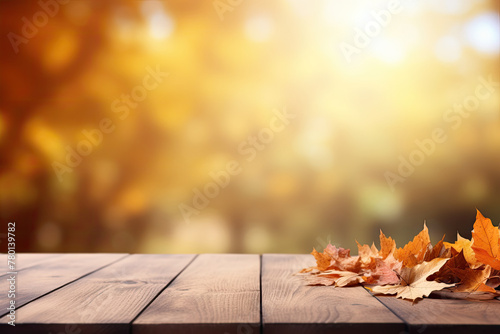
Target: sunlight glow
{"type": "Point", "coordinates": [259, 28]}
{"type": "Point", "coordinates": [448, 49]}
{"type": "Point", "coordinates": [483, 33]}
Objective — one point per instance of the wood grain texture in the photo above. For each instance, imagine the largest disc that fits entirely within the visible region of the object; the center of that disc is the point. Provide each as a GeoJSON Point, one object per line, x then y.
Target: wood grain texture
{"type": "Point", "coordinates": [26, 260]}
{"type": "Point", "coordinates": [40, 279]}
{"type": "Point", "coordinates": [105, 301]}
{"type": "Point", "coordinates": [289, 306]}
{"type": "Point", "coordinates": [214, 293]}
{"type": "Point", "coordinates": [217, 293]}
{"type": "Point", "coordinates": [431, 315]}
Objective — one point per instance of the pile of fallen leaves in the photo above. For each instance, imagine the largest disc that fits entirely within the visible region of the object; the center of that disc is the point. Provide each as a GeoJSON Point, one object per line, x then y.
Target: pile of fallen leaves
{"type": "Point", "coordinates": [464, 269]}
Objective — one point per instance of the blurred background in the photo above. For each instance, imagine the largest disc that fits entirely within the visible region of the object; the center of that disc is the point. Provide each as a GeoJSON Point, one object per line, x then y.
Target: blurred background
{"type": "Point", "coordinates": [231, 65]}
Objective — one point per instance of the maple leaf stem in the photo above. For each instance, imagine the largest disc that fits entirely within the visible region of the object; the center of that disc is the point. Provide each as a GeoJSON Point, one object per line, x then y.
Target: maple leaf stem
{"type": "Point", "coordinates": [400, 277]}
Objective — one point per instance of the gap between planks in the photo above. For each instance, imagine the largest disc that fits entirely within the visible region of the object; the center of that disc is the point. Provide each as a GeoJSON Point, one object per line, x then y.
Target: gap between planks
{"type": "Point", "coordinates": [38, 289]}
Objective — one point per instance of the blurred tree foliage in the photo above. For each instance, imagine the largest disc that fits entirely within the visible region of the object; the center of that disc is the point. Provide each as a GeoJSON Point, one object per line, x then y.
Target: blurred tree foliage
{"type": "Point", "coordinates": [322, 175]}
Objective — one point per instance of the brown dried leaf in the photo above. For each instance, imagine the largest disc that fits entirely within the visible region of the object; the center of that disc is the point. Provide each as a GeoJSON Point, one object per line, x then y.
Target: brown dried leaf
{"type": "Point", "coordinates": [473, 280]}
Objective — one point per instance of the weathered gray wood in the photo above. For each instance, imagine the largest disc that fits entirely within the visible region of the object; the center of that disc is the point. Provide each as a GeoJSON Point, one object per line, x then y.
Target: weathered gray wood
{"type": "Point", "coordinates": [289, 306]}
{"type": "Point", "coordinates": [217, 293]}
{"type": "Point", "coordinates": [40, 279]}
{"type": "Point", "coordinates": [105, 301]}
{"type": "Point", "coordinates": [431, 315]}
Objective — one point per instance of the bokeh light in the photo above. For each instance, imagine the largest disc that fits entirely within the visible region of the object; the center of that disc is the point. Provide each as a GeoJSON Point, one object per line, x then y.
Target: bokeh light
{"type": "Point", "coordinates": [180, 89]}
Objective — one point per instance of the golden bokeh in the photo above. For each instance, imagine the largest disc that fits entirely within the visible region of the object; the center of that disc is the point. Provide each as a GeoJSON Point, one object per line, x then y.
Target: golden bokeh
{"type": "Point", "coordinates": [246, 126]}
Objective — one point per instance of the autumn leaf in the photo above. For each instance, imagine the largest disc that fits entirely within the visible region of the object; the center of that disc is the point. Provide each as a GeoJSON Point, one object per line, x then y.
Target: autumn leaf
{"type": "Point", "coordinates": [335, 266]}
{"type": "Point", "coordinates": [437, 251]}
{"type": "Point", "coordinates": [494, 279]}
{"type": "Point", "coordinates": [414, 251]}
{"type": "Point", "coordinates": [387, 245]}
{"type": "Point", "coordinates": [323, 260]}
{"type": "Point", "coordinates": [470, 267]}
{"type": "Point", "coordinates": [349, 280]}
{"type": "Point", "coordinates": [465, 245]}
{"type": "Point", "coordinates": [446, 294]}
{"type": "Point", "coordinates": [384, 272]}
{"type": "Point", "coordinates": [414, 283]}
{"type": "Point", "coordinates": [346, 278]}
{"type": "Point", "coordinates": [472, 280]}
{"type": "Point", "coordinates": [486, 241]}
{"type": "Point", "coordinates": [446, 274]}
{"type": "Point", "coordinates": [336, 258]}
{"type": "Point", "coordinates": [367, 253]}
{"type": "Point", "coordinates": [334, 277]}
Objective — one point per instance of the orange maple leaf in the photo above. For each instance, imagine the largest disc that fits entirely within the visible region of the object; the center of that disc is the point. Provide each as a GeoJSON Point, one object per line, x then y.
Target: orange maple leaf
{"type": "Point", "coordinates": [387, 245]}
{"type": "Point", "coordinates": [323, 260]}
{"type": "Point", "coordinates": [413, 252]}
{"type": "Point", "coordinates": [437, 251]}
{"type": "Point", "coordinates": [465, 245]}
{"type": "Point", "coordinates": [336, 258]}
{"type": "Point", "coordinates": [486, 242]}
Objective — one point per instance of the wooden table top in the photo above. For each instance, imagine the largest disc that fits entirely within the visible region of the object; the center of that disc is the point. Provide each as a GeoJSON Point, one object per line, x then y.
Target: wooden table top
{"type": "Point", "coordinates": [212, 293]}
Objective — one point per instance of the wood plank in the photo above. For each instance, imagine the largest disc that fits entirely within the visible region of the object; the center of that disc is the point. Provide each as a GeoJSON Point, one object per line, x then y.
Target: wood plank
{"type": "Point", "coordinates": [105, 301]}
{"type": "Point", "coordinates": [217, 293]}
{"type": "Point", "coordinates": [40, 279]}
{"type": "Point", "coordinates": [289, 306]}
{"type": "Point", "coordinates": [446, 315]}
{"type": "Point", "coordinates": [26, 260]}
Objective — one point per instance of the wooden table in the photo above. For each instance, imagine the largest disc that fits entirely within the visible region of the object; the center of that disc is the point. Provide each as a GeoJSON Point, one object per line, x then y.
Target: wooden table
{"type": "Point", "coordinates": [212, 293]}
